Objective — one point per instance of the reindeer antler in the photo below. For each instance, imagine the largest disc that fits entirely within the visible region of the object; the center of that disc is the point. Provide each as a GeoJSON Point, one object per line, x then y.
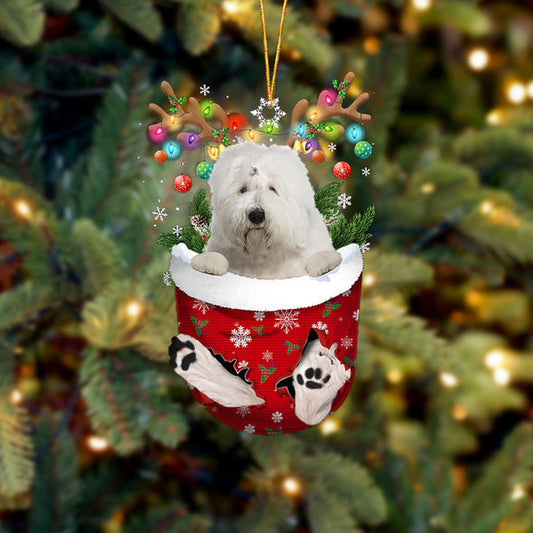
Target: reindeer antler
{"type": "Point", "coordinates": [326, 110]}
{"type": "Point", "coordinates": [194, 117]}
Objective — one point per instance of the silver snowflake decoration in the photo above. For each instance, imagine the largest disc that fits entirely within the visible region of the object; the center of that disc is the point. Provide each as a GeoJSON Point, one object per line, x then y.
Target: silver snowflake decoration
{"type": "Point", "coordinates": [242, 364]}
{"type": "Point", "coordinates": [267, 356]}
{"type": "Point", "coordinates": [204, 89]}
{"type": "Point", "coordinates": [332, 147]}
{"type": "Point", "coordinates": [277, 417]}
{"type": "Point", "coordinates": [346, 342]}
{"type": "Point", "coordinates": [274, 105]}
{"type": "Point", "coordinates": [243, 411]}
{"type": "Point", "coordinates": [203, 307]}
{"type": "Point", "coordinates": [347, 293]}
{"type": "Point", "coordinates": [249, 428]}
{"type": "Point", "coordinates": [176, 230]}
{"type": "Point", "coordinates": [286, 320]}
{"type": "Point", "coordinates": [240, 337]}
{"type": "Point", "coordinates": [160, 213]}
{"type": "Point", "coordinates": [344, 200]}
{"type": "Point", "coordinates": [259, 315]}
{"type": "Point", "coordinates": [167, 279]}
{"type": "Point", "coordinates": [321, 326]}
{"type": "Point", "coordinates": [365, 171]}
{"type": "Point", "coordinates": [364, 247]}
{"type": "Point", "coordinates": [356, 315]}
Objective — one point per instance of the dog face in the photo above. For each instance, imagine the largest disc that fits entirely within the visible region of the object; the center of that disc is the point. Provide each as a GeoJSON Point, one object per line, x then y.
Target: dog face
{"type": "Point", "coordinates": [261, 196]}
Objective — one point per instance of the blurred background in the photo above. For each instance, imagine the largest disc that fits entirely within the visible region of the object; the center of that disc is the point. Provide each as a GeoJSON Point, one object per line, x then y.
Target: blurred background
{"type": "Point", "coordinates": [96, 432]}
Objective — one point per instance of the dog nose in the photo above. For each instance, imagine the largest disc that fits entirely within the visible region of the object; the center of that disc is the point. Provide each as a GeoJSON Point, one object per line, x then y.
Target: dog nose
{"type": "Point", "coordinates": [256, 215]}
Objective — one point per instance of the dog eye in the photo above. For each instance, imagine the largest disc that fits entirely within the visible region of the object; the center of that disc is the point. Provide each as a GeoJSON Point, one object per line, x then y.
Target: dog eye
{"type": "Point", "coordinates": [243, 190]}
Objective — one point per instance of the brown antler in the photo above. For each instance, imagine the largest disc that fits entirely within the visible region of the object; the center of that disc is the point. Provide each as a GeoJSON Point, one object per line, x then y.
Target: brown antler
{"type": "Point", "coordinates": [326, 110]}
{"type": "Point", "coordinates": [175, 123]}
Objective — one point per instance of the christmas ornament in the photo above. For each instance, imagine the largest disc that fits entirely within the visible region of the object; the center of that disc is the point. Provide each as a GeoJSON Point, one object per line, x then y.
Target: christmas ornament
{"type": "Point", "coordinates": [172, 149]}
{"type": "Point", "coordinates": [160, 156]}
{"type": "Point", "coordinates": [182, 183]}
{"type": "Point", "coordinates": [310, 146]}
{"type": "Point", "coordinates": [354, 133]}
{"type": "Point", "coordinates": [190, 140]}
{"type": "Point", "coordinates": [207, 108]}
{"type": "Point", "coordinates": [328, 96]}
{"type": "Point", "coordinates": [302, 130]}
{"type": "Point", "coordinates": [269, 104]}
{"type": "Point", "coordinates": [318, 156]}
{"type": "Point", "coordinates": [213, 152]}
{"type": "Point", "coordinates": [342, 170]}
{"type": "Point", "coordinates": [363, 149]}
{"type": "Point", "coordinates": [156, 133]}
{"type": "Point", "coordinates": [237, 122]}
{"type": "Point", "coordinates": [204, 169]}
{"type": "Point", "coordinates": [332, 130]}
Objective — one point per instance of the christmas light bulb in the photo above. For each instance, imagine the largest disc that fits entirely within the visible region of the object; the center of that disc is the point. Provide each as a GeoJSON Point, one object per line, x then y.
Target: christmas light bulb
{"type": "Point", "coordinates": [501, 376]}
{"type": "Point", "coordinates": [291, 486]}
{"type": "Point", "coordinates": [23, 209]}
{"type": "Point", "coordinates": [172, 119]}
{"type": "Point", "coordinates": [516, 92]}
{"type": "Point", "coordinates": [518, 492]}
{"type": "Point", "coordinates": [231, 6]}
{"type": "Point", "coordinates": [494, 117]}
{"type": "Point", "coordinates": [459, 412]}
{"type": "Point", "coordinates": [394, 375]}
{"type": "Point", "coordinates": [448, 380]}
{"type": "Point", "coordinates": [251, 134]}
{"type": "Point", "coordinates": [97, 444]}
{"type": "Point", "coordinates": [421, 5]}
{"type": "Point", "coordinates": [329, 426]}
{"type": "Point", "coordinates": [15, 397]}
{"type": "Point", "coordinates": [478, 59]}
{"type": "Point", "coordinates": [369, 280]}
{"type": "Point", "coordinates": [494, 358]}
{"type": "Point", "coordinates": [133, 308]}
{"type": "Point", "coordinates": [427, 188]}
{"type": "Point", "coordinates": [486, 207]}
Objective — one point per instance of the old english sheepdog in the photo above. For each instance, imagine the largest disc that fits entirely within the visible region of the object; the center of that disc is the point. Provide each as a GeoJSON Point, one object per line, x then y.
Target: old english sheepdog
{"type": "Point", "coordinates": [265, 223]}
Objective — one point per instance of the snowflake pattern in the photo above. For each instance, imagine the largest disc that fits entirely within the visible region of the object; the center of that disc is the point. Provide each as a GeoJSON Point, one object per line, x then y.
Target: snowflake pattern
{"type": "Point", "coordinates": [267, 356]}
{"type": "Point", "coordinates": [167, 279]}
{"type": "Point", "coordinates": [205, 89]}
{"type": "Point", "coordinates": [286, 320]}
{"type": "Point", "coordinates": [176, 230]}
{"type": "Point", "coordinates": [321, 326]}
{"type": "Point", "coordinates": [347, 293]}
{"type": "Point", "coordinates": [242, 364]}
{"type": "Point", "coordinates": [240, 337]}
{"type": "Point", "coordinates": [203, 307]}
{"type": "Point", "coordinates": [365, 171]}
{"type": "Point", "coordinates": [243, 411]}
{"type": "Point", "coordinates": [278, 112]}
{"type": "Point", "coordinates": [364, 247]}
{"type": "Point", "coordinates": [344, 200]}
{"type": "Point", "coordinates": [356, 315]}
{"type": "Point", "coordinates": [277, 417]}
{"type": "Point", "coordinates": [346, 342]}
{"type": "Point", "coordinates": [160, 213]}
{"type": "Point", "coordinates": [259, 315]}
{"type": "Point", "coordinates": [249, 428]}
{"type": "Point", "coordinates": [332, 147]}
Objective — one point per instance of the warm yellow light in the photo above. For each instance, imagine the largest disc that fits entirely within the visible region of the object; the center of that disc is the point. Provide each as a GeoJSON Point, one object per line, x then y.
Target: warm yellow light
{"type": "Point", "coordinates": [421, 5]}
{"type": "Point", "coordinates": [369, 280]}
{"type": "Point", "coordinates": [518, 492]}
{"type": "Point", "coordinates": [427, 188]}
{"type": "Point", "coordinates": [213, 152]}
{"type": "Point", "coordinates": [172, 119]}
{"type": "Point", "coordinates": [251, 134]}
{"type": "Point", "coordinates": [329, 426]}
{"type": "Point", "coordinates": [474, 299]}
{"type": "Point", "coordinates": [516, 92]}
{"type": "Point", "coordinates": [486, 207]}
{"type": "Point", "coordinates": [231, 6]}
{"type": "Point", "coordinates": [501, 376]}
{"type": "Point", "coordinates": [291, 486]}
{"type": "Point", "coordinates": [478, 59]}
{"type": "Point", "coordinates": [314, 115]}
{"type": "Point", "coordinates": [494, 117]}
{"type": "Point", "coordinates": [134, 308]}
{"type": "Point", "coordinates": [97, 444]}
{"type": "Point", "coordinates": [459, 412]}
{"type": "Point", "coordinates": [530, 89]}
{"type": "Point", "coordinates": [448, 380]}
{"type": "Point", "coordinates": [15, 397]}
{"type": "Point", "coordinates": [394, 375]}
{"type": "Point", "coordinates": [23, 208]}
{"type": "Point", "coordinates": [494, 358]}
{"type": "Point", "coordinates": [371, 45]}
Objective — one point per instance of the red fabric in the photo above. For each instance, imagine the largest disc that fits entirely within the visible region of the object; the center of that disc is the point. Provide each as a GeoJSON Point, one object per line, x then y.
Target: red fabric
{"type": "Point", "coordinates": [269, 343]}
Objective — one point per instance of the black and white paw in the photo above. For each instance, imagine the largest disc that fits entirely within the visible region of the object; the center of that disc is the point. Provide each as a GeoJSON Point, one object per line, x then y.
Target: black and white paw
{"type": "Point", "coordinates": [184, 361]}
{"type": "Point", "coordinates": [313, 378]}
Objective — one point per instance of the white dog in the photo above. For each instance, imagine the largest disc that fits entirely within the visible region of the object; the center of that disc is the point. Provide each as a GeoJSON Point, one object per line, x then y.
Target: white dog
{"type": "Point", "coordinates": [265, 223]}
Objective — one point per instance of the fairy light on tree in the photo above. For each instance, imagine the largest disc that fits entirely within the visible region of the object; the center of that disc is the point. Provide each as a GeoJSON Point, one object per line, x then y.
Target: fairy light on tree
{"type": "Point", "coordinates": [530, 89]}
{"type": "Point", "coordinates": [97, 444]}
{"type": "Point", "coordinates": [421, 5]}
{"type": "Point", "coordinates": [369, 280]}
{"type": "Point", "coordinates": [427, 188]}
{"type": "Point", "coordinates": [394, 376]}
{"type": "Point", "coordinates": [501, 376]}
{"type": "Point", "coordinates": [291, 486]}
{"type": "Point", "coordinates": [133, 308]}
{"type": "Point", "coordinates": [518, 492]}
{"type": "Point", "coordinates": [516, 92]}
{"type": "Point", "coordinates": [329, 426]}
{"type": "Point", "coordinates": [23, 209]}
{"type": "Point", "coordinates": [459, 412]}
{"type": "Point", "coordinates": [448, 380]}
{"type": "Point", "coordinates": [494, 358]}
{"type": "Point", "coordinates": [15, 397]}
{"type": "Point", "coordinates": [486, 207]}
{"type": "Point", "coordinates": [495, 117]}
{"type": "Point", "coordinates": [478, 59]}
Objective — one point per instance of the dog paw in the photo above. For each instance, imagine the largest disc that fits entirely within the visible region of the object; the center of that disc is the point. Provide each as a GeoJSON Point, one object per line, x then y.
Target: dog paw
{"type": "Point", "coordinates": [210, 263]}
{"type": "Point", "coordinates": [322, 262]}
{"type": "Point", "coordinates": [182, 360]}
{"type": "Point", "coordinates": [313, 378]}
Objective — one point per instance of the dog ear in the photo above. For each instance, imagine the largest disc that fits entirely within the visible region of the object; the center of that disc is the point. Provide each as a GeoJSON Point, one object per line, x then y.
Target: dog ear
{"type": "Point", "coordinates": [334, 347]}
{"type": "Point", "coordinates": [311, 337]}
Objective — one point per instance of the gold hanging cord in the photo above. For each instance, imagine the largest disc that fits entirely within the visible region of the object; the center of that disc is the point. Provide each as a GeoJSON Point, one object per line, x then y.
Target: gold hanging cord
{"type": "Point", "coordinates": [271, 83]}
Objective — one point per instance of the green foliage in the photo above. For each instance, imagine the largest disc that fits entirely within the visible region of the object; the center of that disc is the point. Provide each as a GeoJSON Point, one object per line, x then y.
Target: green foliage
{"type": "Point", "coordinates": [172, 518]}
{"type": "Point", "coordinates": [344, 232]}
{"type": "Point", "coordinates": [168, 240]}
{"type": "Point", "coordinates": [22, 21]}
{"type": "Point", "coordinates": [199, 24]}
{"type": "Point", "coordinates": [62, 5]}
{"type": "Point", "coordinates": [326, 197]}
{"type": "Point", "coordinates": [200, 205]}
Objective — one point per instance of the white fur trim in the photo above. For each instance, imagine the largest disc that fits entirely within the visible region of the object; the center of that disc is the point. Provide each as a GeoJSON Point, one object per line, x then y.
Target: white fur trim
{"type": "Point", "coordinates": [250, 294]}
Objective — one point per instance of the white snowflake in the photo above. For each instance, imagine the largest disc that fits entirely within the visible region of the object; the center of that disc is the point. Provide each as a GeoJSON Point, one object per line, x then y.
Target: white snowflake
{"type": "Point", "coordinates": [286, 320]}
{"type": "Point", "coordinates": [249, 428]}
{"type": "Point", "coordinates": [347, 293]}
{"type": "Point", "coordinates": [240, 337]}
{"type": "Point", "coordinates": [259, 315]}
{"type": "Point", "coordinates": [346, 342]}
{"type": "Point", "coordinates": [243, 411]}
{"type": "Point", "coordinates": [204, 89]}
{"type": "Point", "coordinates": [176, 230]}
{"type": "Point", "coordinates": [160, 213]}
{"type": "Point", "coordinates": [167, 279]}
{"type": "Point", "coordinates": [242, 364]}
{"type": "Point", "coordinates": [267, 356]}
{"type": "Point", "coordinates": [344, 200]}
{"type": "Point", "coordinates": [277, 417]}
{"type": "Point", "coordinates": [203, 307]}
{"type": "Point", "coordinates": [332, 147]}
{"type": "Point", "coordinates": [356, 315]}
{"type": "Point", "coordinates": [365, 171]}
{"type": "Point", "coordinates": [278, 112]}
{"type": "Point", "coordinates": [364, 247]}
{"type": "Point", "coordinates": [321, 326]}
